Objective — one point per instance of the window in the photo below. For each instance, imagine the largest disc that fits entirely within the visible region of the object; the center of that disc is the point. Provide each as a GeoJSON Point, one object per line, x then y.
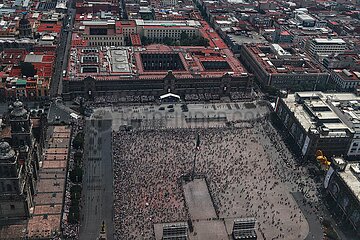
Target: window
{"type": "Point", "coordinates": [12, 207]}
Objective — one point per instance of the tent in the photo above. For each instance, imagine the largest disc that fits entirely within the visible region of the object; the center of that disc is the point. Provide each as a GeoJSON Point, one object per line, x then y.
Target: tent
{"type": "Point", "coordinates": [171, 95]}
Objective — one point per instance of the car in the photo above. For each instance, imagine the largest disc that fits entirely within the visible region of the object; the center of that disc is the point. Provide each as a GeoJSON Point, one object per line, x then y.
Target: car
{"type": "Point", "coordinates": [170, 106]}
{"type": "Point", "coordinates": [172, 110]}
{"type": "Point", "coordinates": [161, 108]}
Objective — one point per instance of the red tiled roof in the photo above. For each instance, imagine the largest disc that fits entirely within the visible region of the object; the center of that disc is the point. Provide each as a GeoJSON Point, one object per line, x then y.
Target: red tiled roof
{"type": "Point", "coordinates": [135, 39]}
{"type": "Point", "coordinates": [285, 33]}
{"type": "Point", "coordinates": [49, 27]}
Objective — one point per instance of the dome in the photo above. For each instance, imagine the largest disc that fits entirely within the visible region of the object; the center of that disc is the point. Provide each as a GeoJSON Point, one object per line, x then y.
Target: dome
{"type": "Point", "coordinates": [18, 109]}
{"type": "Point", "coordinates": [18, 104]}
{"type": "Point", "coordinates": [6, 152]}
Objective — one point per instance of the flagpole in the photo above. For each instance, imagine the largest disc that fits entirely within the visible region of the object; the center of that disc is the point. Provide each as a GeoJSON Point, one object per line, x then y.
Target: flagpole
{"type": "Point", "coordinates": [193, 170]}
{"type": "Point", "coordinates": [197, 148]}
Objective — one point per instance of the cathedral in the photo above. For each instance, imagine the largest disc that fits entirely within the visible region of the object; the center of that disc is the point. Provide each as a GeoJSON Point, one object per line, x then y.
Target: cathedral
{"type": "Point", "coordinates": [20, 152]}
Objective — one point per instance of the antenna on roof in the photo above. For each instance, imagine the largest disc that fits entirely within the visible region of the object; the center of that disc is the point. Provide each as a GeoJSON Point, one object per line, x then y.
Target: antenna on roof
{"type": "Point", "coordinates": [314, 89]}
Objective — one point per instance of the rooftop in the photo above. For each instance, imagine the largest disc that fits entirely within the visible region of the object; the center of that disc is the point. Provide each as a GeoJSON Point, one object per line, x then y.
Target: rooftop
{"type": "Point", "coordinates": [322, 112]}
{"type": "Point", "coordinates": [329, 41]}
{"type": "Point", "coordinates": [283, 59]}
{"type": "Point", "coordinates": [48, 201]}
{"type": "Point", "coordinates": [348, 75]}
{"type": "Point", "coordinates": [176, 23]}
{"type": "Point", "coordinates": [112, 63]}
{"type": "Point", "coordinates": [352, 178]}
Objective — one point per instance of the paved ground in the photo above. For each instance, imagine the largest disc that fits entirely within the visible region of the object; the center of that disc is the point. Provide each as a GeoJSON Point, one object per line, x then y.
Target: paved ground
{"type": "Point", "coordinates": [62, 54]}
{"type": "Point", "coordinates": [98, 178]}
{"type": "Point", "coordinates": [198, 200]}
{"type": "Point", "coordinates": [315, 228]}
{"type": "Point", "coordinates": [199, 115]}
{"type": "Point", "coordinates": [202, 212]}
{"type": "Point", "coordinates": [251, 173]}
{"type": "Point", "coordinates": [209, 230]}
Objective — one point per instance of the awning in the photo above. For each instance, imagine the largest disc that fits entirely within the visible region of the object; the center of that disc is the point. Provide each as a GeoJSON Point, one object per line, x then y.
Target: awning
{"type": "Point", "coordinates": [169, 95]}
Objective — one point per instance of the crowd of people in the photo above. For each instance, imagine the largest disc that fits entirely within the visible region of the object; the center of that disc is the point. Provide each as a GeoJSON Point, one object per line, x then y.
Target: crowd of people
{"type": "Point", "coordinates": [146, 188]}
{"type": "Point", "coordinates": [249, 169]}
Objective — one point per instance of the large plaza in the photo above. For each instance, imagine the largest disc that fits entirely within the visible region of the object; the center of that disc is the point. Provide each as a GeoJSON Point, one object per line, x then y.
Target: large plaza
{"type": "Point", "coordinates": [249, 170]}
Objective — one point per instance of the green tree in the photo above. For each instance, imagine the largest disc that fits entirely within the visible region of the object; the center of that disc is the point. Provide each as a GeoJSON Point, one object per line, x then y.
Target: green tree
{"type": "Point", "coordinates": [78, 158]}
{"type": "Point", "coordinates": [74, 214]}
{"type": "Point", "coordinates": [27, 69]}
{"type": "Point", "coordinates": [145, 41]}
{"type": "Point", "coordinates": [76, 175]}
{"type": "Point", "coordinates": [168, 41]}
{"type": "Point", "coordinates": [78, 142]}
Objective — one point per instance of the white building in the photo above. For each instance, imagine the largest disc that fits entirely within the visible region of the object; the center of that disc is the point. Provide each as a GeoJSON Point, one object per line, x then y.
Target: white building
{"type": "Point", "coordinates": [171, 29]}
{"type": "Point", "coordinates": [345, 79]}
{"type": "Point", "coordinates": [325, 46]}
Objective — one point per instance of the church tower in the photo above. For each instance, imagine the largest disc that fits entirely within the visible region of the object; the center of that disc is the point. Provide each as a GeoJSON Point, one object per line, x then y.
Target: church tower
{"type": "Point", "coordinates": [20, 126]}
{"type": "Point", "coordinates": [25, 30]}
{"type": "Point", "coordinates": [15, 195]}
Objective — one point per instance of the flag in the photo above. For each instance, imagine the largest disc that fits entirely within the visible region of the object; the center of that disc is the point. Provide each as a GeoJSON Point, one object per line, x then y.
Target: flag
{"type": "Point", "coordinates": [198, 142]}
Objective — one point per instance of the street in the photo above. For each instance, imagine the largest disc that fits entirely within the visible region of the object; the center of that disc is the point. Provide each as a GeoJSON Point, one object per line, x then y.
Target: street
{"type": "Point", "coordinates": [98, 177]}
{"type": "Point", "coordinates": [62, 54]}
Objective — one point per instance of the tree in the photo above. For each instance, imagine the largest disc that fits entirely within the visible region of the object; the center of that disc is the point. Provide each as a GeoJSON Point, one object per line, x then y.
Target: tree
{"type": "Point", "coordinates": [78, 158]}
{"type": "Point", "coordinates": [76, 175]}
{"type": "Point", "coordinates": [184, 36]}
{"type": "Point", "coordinates": [145, 41]}
{"type": "Point", "coordinates": [168, 41]}
{"type": "Point", "coordinates": [74, 214]}
{"type": "Point", "coordinates": [27, 69]}
{"type": "Point", "coordinates": [78, 142]}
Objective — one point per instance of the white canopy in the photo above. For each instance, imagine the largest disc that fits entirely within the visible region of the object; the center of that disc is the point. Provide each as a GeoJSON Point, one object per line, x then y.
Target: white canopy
{"type": "Point", "coordinates": [74, 115]}
{"type": "Point", "coordinates": [169, 95]}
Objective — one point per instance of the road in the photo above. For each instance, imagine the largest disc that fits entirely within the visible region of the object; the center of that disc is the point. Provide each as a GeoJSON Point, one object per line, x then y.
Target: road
{"type": "Point", "coordinates": [160, 116]}
{"type": "Point", "coordinates": [62, 54]}
{"type": "Point", "coordinates": [315, 227]}
{"type": "Point", "coordinates": [98, 177]}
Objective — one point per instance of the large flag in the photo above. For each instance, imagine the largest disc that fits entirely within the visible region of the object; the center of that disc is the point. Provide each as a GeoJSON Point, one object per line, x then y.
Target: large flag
{"type": "Point", "coordinates": [198, 142]}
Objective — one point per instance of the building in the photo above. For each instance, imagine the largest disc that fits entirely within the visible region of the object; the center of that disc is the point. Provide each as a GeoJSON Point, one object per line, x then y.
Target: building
{"type": "Point", "coordinates": [345, 79]}
{"type": "Point", "coordinates": [323, 46]}
{"type": "Point", "coordinates": [152, 71]}
{"type": "Point", "coordinates": [49, 210]}
{"type": "Point", "coordinates": [343, 193]}
{"type": "Point", "coordinates": [170, 29]}
{"type": "Point", "coordinates": [111, 32]}
{"type": "Point", "coordinates": [25, 30]}
{"type": "Point", "coordinates": [344, 70]}
{"type": "Point", "coordinates": [103, 33]}
{"type": "Point", "coordinates": [19, 164]}
{"type": "Point", "coordinates": [321, 121]}
{"type": "Point", "coordinates": [343, 61]}
{"type": "Point", "coordinates": [305, 20]}
{"type": "Point", "coordinates": [155, 69]}
{"type": "Point", "coordinates": [14, 85]}
{"type": "Point", "coordinates": [282, 67]}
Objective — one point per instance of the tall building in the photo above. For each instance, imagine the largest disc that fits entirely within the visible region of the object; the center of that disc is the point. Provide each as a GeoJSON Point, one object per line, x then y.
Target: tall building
{"type": "Point", "coordinates": [324, 46]}
{"type": "Point", "coordinates": [18, 165]}
{"type": "Point", "coordinates": [343, 193]}
{"type": "Point", "coordinates": [321, 121]}
{"type": "Point", "coordinates": [283, 66]}
{"type": "Point", "coordinates": [25, 28]}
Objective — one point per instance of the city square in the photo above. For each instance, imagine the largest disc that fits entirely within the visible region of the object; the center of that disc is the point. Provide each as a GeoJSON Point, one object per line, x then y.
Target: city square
{"type": "Point", "coordinates": [250, 172]}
